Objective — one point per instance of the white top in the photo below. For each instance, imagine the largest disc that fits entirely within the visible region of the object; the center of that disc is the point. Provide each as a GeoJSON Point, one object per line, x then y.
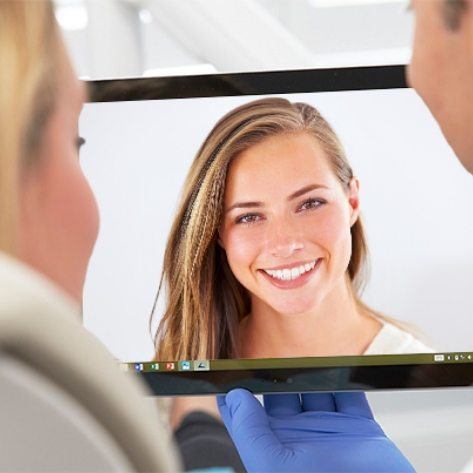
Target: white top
{"type": "Point", "coordinates": [392, 340]}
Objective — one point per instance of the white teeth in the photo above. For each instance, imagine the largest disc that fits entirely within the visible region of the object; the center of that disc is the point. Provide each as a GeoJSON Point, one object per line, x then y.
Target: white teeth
{"type": "Point", "coordinates": [290, 274]}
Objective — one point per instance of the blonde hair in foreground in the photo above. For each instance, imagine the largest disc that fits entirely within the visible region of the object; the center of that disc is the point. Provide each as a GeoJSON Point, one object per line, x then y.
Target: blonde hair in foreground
{"type": "Point", "coordinates": [28, 50]}
{"type": "Point", "coordinates": [204, 301]}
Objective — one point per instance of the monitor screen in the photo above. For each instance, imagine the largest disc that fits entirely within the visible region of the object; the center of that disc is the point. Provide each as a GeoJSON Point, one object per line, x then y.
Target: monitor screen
{"type": "Point", "coordinates": [330, 229]}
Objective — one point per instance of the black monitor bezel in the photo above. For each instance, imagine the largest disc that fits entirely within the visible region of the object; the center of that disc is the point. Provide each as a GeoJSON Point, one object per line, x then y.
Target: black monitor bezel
{"type": "Point", "coordinates": [340, 378]}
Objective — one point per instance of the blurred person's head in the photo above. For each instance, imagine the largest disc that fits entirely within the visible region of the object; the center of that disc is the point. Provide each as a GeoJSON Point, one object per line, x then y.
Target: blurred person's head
{"type": "Point", "coordinates": [442, 69]}
{"type": "Point", "coordinates": [269, 190]}
{"type": "Point", "coordinates": [48, 215]}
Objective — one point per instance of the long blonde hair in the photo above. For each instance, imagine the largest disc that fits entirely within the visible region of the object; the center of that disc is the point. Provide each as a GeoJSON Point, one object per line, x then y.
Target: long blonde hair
{"type": "Point", "coordinates": [204, 300]}
{"type": "Point", "coordinates": [29, 41]}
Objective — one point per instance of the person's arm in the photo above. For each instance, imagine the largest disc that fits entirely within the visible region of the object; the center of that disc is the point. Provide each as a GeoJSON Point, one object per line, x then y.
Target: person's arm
{"type": "Point", "coordinates": [309, 432]}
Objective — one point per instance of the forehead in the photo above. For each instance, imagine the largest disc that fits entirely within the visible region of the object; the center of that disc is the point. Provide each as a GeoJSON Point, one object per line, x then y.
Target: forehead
{"type": "Point", "coordinates": [280, 164]}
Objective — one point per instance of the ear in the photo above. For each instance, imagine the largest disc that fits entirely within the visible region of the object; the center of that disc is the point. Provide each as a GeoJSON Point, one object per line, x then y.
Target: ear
{"type": "Point", "coordinates": [354, 200]}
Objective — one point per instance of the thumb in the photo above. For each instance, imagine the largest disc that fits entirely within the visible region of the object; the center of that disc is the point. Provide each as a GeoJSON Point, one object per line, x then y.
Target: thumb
{"type": "Point", "coordinates": [248, 425]}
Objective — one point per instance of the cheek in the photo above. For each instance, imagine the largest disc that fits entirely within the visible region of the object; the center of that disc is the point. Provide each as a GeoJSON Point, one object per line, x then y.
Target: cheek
{"type": "Point", "coordinates": [330, 231]}
{"type": "Point", "coordinates": [68, 203]}
{"type": "Point", "coordinates": [58, 222]}
{"type": "Point", "coordinates": [80, 210]}
{"type": "Point", "coordinates": [242, 246]}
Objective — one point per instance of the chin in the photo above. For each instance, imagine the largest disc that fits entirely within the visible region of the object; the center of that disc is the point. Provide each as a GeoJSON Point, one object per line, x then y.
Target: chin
{"type": "Point", "coordinates": [293, 307]}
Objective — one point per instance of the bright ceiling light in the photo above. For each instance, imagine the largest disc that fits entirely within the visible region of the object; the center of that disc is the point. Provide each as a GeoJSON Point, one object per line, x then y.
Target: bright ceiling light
{"type": "Point", "coordinates": [72, 17]}
{"type": "Point", "coordinates": [351, 3]}
{"type": "Point", "coordinates": [145, 16]}
{"type": "Point", "coordinates": [191, 69]}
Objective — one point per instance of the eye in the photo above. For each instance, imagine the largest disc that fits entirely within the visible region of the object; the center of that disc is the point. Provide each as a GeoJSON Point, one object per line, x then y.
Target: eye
{"type": "Point", "coordinates": [248, 218]}
{"type": "Point", "coordinates": [310, 204]}
{"type": "Point", "coordinates": [80, 142]}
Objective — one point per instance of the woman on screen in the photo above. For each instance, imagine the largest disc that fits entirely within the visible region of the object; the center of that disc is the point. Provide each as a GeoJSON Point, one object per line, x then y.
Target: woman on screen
{"type": "Point", "coordinates": [267, 253]}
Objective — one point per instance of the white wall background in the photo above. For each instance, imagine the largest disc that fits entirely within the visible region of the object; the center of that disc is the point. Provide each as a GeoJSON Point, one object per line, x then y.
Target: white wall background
{"type": "Point", "coordinates": [416, 200]}
{"type": "Point", "coordinates": [433, 428]}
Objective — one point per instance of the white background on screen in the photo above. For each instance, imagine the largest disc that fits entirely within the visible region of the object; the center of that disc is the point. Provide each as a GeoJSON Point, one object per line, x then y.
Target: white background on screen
{"type": "Point", "coordinates": [417, 203]}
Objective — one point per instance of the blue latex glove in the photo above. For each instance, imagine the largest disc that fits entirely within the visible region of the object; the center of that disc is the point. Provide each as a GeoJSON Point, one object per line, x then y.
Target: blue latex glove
{"type": "Point", "coordinates": [309, 433]}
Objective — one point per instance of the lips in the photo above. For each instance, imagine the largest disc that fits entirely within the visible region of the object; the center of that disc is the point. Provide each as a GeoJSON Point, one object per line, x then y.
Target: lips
{"type": "Point", "coordinates": [291, 276]}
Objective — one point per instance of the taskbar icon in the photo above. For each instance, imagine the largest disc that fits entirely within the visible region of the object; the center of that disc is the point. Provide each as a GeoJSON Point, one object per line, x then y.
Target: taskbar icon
{"type": "Point", "coordinates": [452, 357]}
{"type": "Point", "coordinates": [201, 365]}
{"type": "Point", "coordinates": [185, 366]}
{"type": "Point", "coordinates": [140, 367]}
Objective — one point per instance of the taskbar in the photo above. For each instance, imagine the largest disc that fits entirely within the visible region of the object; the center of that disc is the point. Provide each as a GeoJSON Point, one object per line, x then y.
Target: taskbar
{"type": "Point", "coordinates": [305, 362]}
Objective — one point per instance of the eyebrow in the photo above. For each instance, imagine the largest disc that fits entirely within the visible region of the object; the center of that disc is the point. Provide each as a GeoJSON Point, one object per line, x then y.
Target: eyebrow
{"type": "Point", "coordinates": [294, 195]}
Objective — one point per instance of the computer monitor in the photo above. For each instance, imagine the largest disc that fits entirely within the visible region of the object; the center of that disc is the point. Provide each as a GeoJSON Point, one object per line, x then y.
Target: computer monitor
{"type": "Point", "coordinates": [279, 263]}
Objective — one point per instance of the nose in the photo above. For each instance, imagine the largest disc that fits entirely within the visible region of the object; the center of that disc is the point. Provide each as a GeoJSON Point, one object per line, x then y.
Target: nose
{"type": "Point", "coordinates": [284, 240]}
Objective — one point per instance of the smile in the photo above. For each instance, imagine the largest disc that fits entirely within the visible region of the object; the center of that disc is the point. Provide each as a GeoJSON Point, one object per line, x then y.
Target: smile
{"type": "Point", "coordinates": [291, 274]}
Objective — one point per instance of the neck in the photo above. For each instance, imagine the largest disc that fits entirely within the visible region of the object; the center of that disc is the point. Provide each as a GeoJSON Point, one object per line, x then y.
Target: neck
{"type": "Point", "coordinates": [336, 327]}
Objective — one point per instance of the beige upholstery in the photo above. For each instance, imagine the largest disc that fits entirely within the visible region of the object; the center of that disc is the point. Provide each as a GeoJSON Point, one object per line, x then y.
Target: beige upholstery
{"type": "Point", "coordinates": [50, 364]}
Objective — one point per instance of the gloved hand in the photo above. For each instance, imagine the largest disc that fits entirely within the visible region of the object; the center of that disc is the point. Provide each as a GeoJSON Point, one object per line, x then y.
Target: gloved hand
{"type": "Point", "coordinates": [309, 433]}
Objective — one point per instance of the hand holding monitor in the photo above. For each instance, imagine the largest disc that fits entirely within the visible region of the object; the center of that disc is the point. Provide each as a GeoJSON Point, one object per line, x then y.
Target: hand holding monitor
{"type": "Point", "coordinates": [310, 433]}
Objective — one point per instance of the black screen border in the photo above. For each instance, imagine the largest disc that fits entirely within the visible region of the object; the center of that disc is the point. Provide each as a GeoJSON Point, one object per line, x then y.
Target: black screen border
{"type": "Point", "coordinates": [248, 83]}
{"type": "Point", "coordinates": [340, 378]}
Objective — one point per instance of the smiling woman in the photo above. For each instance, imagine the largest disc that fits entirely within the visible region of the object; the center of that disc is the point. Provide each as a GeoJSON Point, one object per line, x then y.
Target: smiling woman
{"type": "Point", "coordinates": [267, 253]}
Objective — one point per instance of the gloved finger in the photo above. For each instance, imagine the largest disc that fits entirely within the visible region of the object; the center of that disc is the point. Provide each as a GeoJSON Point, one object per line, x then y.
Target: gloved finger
{"type": "Point", "coordinates": [282, 404]}
{"type": "Point", "coordinates": [248, 424]}
{"type": "Point", "coordinates": [223, 409]}
{"type": "Point", "coordinates": [353, 403]}
{"type": "Point", "coordinates": [318, 402]}
{"type": "Point", "coordinates": [237, 404]}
